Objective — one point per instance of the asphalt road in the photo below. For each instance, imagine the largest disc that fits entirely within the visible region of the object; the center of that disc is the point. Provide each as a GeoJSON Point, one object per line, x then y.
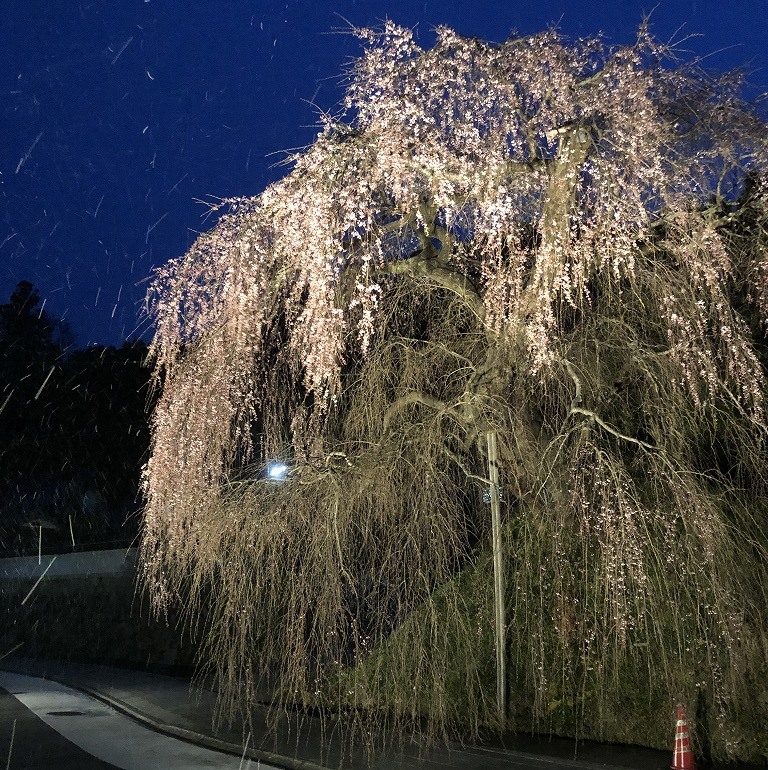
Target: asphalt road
{"type": "Point", "coordinates": [47, 726]}
{"type": "Point", "coordinates": [27, 743]}
{"type": "Point", "coordinates": [52, 726]}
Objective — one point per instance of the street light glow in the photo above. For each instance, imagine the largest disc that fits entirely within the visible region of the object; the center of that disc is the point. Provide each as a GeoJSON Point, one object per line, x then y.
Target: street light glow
{"type": "Point", "coordinates": [277, 471]}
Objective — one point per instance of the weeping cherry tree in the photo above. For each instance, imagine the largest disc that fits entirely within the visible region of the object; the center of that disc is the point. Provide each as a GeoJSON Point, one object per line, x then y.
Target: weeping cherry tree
{"type": "Point", "coordinates": [560, 246]}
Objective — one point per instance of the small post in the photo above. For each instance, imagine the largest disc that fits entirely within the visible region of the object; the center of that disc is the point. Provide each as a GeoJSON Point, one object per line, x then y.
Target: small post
{"type": "Point", "coordinates": [498, 578]}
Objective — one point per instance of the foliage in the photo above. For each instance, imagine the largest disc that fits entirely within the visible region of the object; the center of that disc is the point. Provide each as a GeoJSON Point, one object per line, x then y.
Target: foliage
{"type": "Point", "coordinates": [560, 243]}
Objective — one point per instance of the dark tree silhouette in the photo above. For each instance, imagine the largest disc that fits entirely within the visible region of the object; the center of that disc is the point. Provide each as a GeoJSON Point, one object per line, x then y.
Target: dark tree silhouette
{"type": "Point", "coordinates": [74, 432]}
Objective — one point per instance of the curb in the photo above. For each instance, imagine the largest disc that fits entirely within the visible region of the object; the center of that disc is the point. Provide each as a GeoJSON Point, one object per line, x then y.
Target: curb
{"type": "Point", "coordinates": [546, 759]}
{"type": "Point", "coordinates": [283, 762]}
{"type": "Point", "coordinates": [190, 736]}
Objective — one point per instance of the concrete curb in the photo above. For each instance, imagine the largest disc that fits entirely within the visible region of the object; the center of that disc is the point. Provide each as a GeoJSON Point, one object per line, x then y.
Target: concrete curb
{"type": "Point", "coordinates": [494, 754]}
{"type": "Point", "coordinates": [545, 759]}
{"type": "Point", "coordinates": [190, 736]}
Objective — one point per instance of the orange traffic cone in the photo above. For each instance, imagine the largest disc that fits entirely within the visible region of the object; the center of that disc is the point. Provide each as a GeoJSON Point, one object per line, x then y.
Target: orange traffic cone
{"type": "Point", "coordinates": [682, 756]}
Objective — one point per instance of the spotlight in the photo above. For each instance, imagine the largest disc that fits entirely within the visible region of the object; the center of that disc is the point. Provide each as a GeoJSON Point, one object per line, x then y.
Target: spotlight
{"type": "Point", "coordinates": [277, 471]}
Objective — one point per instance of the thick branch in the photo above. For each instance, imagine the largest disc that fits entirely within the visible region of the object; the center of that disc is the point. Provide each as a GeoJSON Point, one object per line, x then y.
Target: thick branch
{"type": "Point", "coordinates": [593, 416]}
{"type": "Point", "coordinates": [576, 408]}
{"type": "Point", "coordinates": [505, 170]}
{"type": "Point", "coordinates": [564, 176]}
{"type": "Point", "coordinates": [456, 283]}
{"type": "Point", "coordinates": [463, 468]}
{"type": "Point", "coordinates": [415, 397]}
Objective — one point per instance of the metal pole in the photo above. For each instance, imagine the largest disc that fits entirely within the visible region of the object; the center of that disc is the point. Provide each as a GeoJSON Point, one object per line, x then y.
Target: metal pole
{"type": "Point", "coordinates": [498, 578]}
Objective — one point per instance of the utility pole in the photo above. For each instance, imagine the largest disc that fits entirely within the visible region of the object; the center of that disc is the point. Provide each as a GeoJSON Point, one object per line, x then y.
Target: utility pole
{"type": "Point", "coordinates": [498, 578]}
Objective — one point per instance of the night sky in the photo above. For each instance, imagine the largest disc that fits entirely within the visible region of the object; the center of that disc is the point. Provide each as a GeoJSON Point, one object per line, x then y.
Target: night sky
{"type": "Point", "coordinates": [119, 116]}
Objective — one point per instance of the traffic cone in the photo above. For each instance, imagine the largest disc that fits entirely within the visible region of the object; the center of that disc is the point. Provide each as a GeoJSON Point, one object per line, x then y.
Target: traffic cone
{"type": "Point", "coordinates": [682, 756]}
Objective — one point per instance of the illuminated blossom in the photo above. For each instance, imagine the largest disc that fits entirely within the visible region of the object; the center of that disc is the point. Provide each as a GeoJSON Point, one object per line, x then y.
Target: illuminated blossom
{"type": "Point", "coordinates": [593, 222]}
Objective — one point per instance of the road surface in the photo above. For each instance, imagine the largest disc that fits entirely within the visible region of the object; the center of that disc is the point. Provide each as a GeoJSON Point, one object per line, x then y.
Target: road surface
{"type": "Point", "coordinates": [45, 725]}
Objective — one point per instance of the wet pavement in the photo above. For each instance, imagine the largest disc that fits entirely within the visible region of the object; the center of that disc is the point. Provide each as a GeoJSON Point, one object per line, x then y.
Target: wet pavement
{"type": "Point", "coordinates": [91, 727]}
{"type": "Point", "coordinates": [27, 743]}
{"type": "Point", "coordinates": [178, 709]}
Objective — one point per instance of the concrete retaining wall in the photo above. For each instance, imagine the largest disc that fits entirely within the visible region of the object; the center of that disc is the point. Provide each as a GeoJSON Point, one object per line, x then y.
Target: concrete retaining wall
{"type": "Point", "coordinates": [120, 561]}
{"type": "Point", "coordinates": [87, 607]}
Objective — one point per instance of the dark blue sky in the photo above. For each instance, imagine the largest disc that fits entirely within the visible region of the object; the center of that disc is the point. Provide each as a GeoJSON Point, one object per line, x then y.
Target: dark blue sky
{"type": "Point", "coordinates": [117, 115]}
